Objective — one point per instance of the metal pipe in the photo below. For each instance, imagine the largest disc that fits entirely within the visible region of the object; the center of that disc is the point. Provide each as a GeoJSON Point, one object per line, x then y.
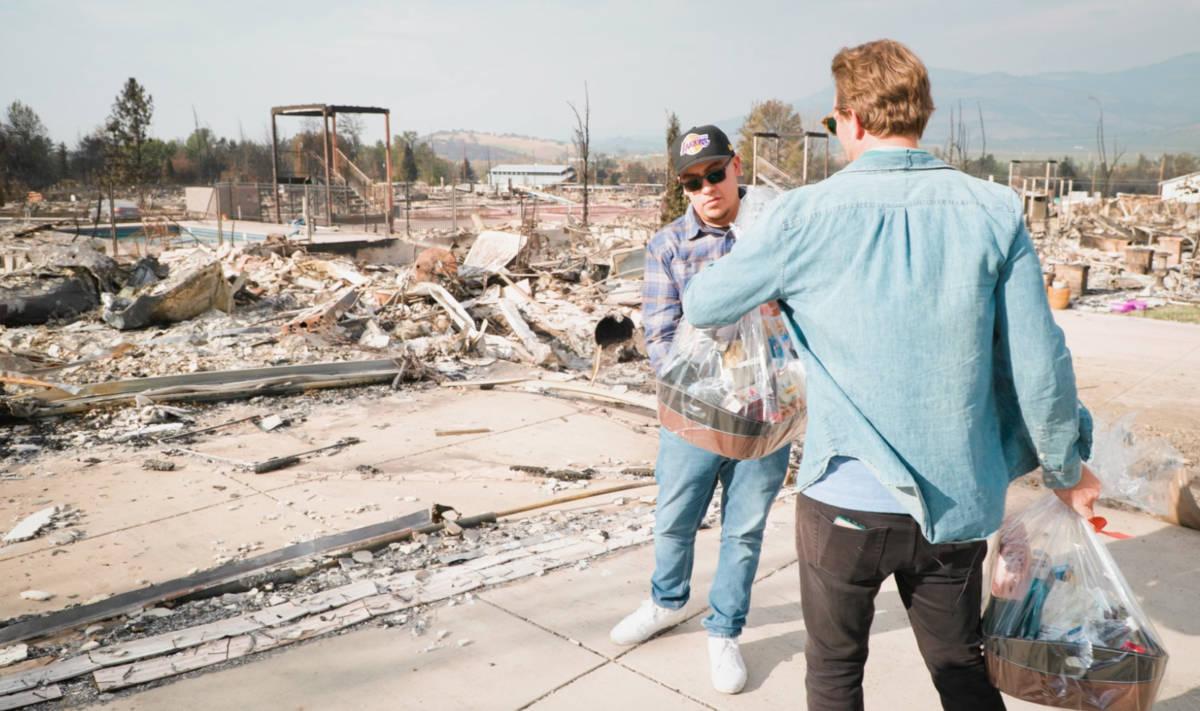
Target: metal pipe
{"type": "Point", "coordinates": [387, 129]}
{"type": "Point", "coordinates": [328, 178]}
{"type": "Point", "coordinates": [804, 171]}
{"type": "Point", "coordinates": [333, 141]}
{"type": "Point", "coordinates": [275, 169]}
{"type": "Point", "coordinates": [754, 160]}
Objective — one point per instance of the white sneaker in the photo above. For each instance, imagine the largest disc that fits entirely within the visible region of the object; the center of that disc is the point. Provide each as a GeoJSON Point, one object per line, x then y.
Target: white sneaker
{"type": "Point", "coordinates": [645, 622]}
{"type": "Point", "coordinates": [728, 669]}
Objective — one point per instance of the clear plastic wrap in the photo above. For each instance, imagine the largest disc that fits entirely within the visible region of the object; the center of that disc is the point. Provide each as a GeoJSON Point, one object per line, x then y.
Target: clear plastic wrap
{"type": "Point", "coordinates": [737, 391]}
{"type": "Point", "coordinates": [1142, 472]}
{"type": "Point", "coordinates": [1061, 627]}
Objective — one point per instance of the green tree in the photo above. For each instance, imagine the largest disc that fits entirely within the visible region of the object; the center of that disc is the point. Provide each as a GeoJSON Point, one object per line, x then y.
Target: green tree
{"type": "Point", "coordinates": [128, 127]}
{"type": "Point", "coordinates": [634, 172]}
{"type": "Point", "coordinates": [63, 170]}
{"type": "Point", "coordinates": [87, 160]}
{"type": "Point", "coordinates": [674, 203]}
{"type": "Point", "coordinates": [26, 155]}
{"type": "Point", "coordinates": [468, 173]}
{"type": "Point", "coordinates": [202, 152]}
{"type": "Point", "coordinates": [408, 165]}
{"type": "Point", "coordinates": [772, 116]}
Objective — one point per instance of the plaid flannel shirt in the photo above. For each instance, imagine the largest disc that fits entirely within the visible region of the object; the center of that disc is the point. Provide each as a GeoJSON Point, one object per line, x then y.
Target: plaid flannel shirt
{"type": "Point", "coordinates": [674, 255]}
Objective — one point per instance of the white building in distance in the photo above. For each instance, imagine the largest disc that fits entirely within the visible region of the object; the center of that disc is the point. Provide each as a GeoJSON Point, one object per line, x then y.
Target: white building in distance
{"type": "Point", "coordinates": [1184, 188]}
{"type": "Point", "coordinates": [531, 175]}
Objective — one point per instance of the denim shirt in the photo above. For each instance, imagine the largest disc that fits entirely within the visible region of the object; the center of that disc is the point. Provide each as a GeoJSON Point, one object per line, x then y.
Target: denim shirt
{"type": "Point", "coordinates": [931, 353]}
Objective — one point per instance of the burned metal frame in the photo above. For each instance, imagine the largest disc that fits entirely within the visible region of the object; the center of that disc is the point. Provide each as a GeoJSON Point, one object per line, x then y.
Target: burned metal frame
{"type": "Point", "coordinates": [806, 135]}
{"type": "Point", "coordinates": [328, 114]}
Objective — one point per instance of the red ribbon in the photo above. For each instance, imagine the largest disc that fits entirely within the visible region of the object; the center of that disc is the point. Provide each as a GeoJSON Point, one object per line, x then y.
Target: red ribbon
{"type": "Point", "coordinates": [1099, 523]}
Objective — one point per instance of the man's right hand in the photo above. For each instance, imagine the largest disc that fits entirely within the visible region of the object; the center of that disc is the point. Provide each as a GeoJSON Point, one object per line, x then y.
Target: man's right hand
{"type": "Point", "coordinates": [1083, 496]}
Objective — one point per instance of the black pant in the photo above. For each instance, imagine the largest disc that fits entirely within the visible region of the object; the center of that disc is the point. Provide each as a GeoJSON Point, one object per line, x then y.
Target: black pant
{"type": "Point", "coordinates": [841, 570]}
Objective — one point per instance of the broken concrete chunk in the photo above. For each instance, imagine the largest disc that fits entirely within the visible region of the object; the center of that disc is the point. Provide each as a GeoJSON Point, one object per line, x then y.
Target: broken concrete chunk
{"type": "Point", "coordinates": [37, 595]}
{"type": "Point", "coordinates": [270, 422]}
{"type": "Point", "coordinates": [13, 654]}
{"type": "Point", "coordinates": [158, 465]}
{"type": "Point", "coordinates": [363, 557]}
{"type": "Point", "coordinates": [64, 537]}
{"type": "Point", "coordinates": [31, 525]}
{"type": "Point", "coordinates": [374, 337]}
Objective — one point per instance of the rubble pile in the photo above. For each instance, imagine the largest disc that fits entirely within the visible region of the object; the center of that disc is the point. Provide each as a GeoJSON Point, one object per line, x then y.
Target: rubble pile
{"type": "Point", "coordinates": [1133, 251]}
{"type": "Point", "coordinates": [75, 317]}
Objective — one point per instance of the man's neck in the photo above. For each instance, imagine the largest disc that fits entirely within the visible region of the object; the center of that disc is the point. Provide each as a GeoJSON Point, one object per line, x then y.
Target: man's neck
{"type": "Point", "coordinates": [870, 142]}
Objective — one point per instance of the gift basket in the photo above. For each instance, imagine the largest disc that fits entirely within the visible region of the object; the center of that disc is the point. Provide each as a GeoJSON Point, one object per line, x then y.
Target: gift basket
{"type": "Point", "coordinates": [737, 391]}
{"type": "Point", "coordinates": [1061, 626]}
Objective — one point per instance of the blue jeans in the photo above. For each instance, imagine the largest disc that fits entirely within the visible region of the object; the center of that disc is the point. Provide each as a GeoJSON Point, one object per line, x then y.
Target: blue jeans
{"type": "Point", "coordinates": [687, 478]}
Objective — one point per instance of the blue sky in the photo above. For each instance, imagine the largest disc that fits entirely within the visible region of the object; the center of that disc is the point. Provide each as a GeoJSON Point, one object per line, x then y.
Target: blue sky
{"type": "Point", "coordinates": [512, 66]}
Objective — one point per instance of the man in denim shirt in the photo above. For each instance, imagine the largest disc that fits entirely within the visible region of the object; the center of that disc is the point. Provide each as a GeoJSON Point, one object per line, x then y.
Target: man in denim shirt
{"type": "Point", "coordinates": [708, 169]}
{"type": "Point", "coordinates": [936, 375]}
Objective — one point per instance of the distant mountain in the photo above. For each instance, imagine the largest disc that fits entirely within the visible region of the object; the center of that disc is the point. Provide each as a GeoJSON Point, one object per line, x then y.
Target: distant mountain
{"type": "Point", "coordinates": [498, 148]}
{"type": "Point", "coordinates": [1150, 109]}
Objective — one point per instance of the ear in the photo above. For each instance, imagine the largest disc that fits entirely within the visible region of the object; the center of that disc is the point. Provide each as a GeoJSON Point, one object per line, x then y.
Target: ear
{"type": "Point", "coordinates": [856, 126]}
{"type": "Point", "coordinates": [736, 164]}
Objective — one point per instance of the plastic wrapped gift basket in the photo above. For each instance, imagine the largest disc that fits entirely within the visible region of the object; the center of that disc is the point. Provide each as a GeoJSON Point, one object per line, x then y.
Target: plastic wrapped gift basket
{"type": "Point", "coordinates": [1061, 626]}
{"type": "Point", "coordinates": [737, 391]}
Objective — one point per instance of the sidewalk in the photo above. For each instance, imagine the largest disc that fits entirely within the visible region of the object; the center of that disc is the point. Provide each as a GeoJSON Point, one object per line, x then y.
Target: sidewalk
{"type": "Point", "coordinates": [542, 643]}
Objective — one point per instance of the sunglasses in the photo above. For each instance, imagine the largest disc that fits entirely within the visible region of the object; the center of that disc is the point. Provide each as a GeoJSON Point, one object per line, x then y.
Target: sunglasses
{"type": "Point", "coordinates": [830, 124]}
{"type": "Point", "coordinates": [694, 183]}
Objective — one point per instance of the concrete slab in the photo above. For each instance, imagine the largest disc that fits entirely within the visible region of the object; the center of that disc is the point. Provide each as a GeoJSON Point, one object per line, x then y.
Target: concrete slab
{"type": "Point", "coordinates": [115, 496]}
{"type": "Point", "coordinates": [507, 665]}
{"type": "Point", "coordinates": [540, 616]}
{"type": "Point", "coordinates": [613, 687]}
{"type": "Point", "coordinates": [772, 645]}
{"type": "Point", "coordinates": [574, 440]}
{"type": "Point", "coordinates": [156, 552]}
{"type": "Point", "coordinates": [343, 504]}
{"type": "Point", "coordinates": [614, 587]}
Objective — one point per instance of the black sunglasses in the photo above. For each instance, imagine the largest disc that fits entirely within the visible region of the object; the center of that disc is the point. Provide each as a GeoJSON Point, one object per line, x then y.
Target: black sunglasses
{"type": "Point", "coordinates": [694, 183]}
{"type": "Point", "coordinates": [830, 124]}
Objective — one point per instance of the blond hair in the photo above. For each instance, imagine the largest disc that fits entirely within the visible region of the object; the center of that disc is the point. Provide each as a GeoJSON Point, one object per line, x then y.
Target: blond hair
{"type": "Point", "coordinates": [886, 86]}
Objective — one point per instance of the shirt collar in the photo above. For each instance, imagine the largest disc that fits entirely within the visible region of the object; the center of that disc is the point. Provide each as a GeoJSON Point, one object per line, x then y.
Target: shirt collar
{"type": "Point", "coordinates": [895, 159]}
{"type": "Point", "coordinates": [694, 227]}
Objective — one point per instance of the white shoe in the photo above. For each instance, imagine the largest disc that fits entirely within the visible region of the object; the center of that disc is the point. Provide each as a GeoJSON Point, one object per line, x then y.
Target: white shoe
{"type": "Point", "coordinates": [728, 669]}
{"type": "Point", "coordinates": [645, 622]}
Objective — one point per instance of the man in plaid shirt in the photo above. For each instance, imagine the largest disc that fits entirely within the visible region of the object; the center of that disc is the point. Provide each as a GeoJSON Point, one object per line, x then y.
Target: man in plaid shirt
{"type": "Point", "coordinates": [708, 168]}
